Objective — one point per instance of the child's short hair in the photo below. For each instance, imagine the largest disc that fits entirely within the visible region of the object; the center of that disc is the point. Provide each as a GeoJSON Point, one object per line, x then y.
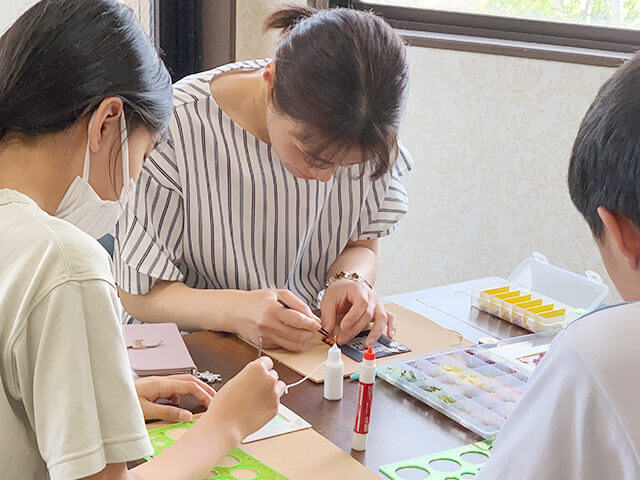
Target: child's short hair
{"type": "Point", "coordinates": [605, 161]}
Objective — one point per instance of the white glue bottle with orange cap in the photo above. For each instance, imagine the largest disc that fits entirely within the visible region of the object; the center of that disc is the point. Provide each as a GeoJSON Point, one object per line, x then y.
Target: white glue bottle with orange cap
{"type": "Point", "coordinates": [365, 397]}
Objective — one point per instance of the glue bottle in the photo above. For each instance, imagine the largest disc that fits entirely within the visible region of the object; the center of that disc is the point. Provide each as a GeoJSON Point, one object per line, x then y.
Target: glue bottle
{"type": "Point", "coordinates": [333, 374]}
{"type": "Point", "coordinates": [365, 397]}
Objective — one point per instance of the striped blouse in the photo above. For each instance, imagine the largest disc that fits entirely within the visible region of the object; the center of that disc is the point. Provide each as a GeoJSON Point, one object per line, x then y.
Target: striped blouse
{"type": "Point", "coordinates": [214, 208]}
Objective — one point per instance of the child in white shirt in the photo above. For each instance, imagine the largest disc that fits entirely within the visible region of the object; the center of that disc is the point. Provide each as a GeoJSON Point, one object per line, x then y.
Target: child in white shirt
{"type": "Point", "coordinates": [578, 418]}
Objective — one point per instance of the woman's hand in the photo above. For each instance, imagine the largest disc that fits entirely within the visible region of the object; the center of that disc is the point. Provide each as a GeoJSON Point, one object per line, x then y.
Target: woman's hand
{"type": "Point", "coordinates": [358, 305]}
{"type": "Point", "coordinates": [279, 317]}
{"type": "Point", "coordinates": [248, 401]}
{"type": "Point", "coordinates": [150, 389]}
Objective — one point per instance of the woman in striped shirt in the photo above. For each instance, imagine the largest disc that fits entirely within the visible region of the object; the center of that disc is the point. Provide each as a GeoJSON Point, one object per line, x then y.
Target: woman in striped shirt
{"type": "Point", "coordinates": [275, 182]}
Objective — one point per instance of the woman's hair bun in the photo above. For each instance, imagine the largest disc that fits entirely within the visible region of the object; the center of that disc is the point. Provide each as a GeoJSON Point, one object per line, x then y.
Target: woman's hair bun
{"type": "Point", "coordinates": [288, 17]}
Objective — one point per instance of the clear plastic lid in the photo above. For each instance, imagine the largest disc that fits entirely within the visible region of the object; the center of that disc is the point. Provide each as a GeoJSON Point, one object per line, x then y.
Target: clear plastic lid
{"type": "Point", "coordinates": [580, 292]}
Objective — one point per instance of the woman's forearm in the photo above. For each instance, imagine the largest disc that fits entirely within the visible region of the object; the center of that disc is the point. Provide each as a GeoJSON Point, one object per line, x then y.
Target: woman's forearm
{"type": "Point", "coordinates": [360, 257]}
{"type": "Point", "coordinates": [189, 308]}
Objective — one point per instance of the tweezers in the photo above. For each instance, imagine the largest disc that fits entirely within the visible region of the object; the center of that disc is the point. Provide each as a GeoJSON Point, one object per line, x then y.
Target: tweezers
{"type": "Point", "coordinates": [322, 331]}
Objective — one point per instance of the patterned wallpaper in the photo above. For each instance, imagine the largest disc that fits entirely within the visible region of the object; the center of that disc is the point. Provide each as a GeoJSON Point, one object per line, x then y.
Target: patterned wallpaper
{"type": "Point", "coordinates": [251, 41]}
{"type": "Point", "coordinates": [144, 11]}
{"type": "Point", "coordinates": [491, 136]}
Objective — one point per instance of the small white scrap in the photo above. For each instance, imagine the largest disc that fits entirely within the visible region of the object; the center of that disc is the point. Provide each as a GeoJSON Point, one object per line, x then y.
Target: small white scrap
{"type": "Point", "coordinates": [209, 377]}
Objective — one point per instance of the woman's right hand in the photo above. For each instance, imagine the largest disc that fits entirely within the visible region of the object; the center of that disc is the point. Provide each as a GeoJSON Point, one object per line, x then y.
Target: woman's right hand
{"type": "Point", "coordinates": [248, 401]}
{"type": "Point", "coordinates": [279, 317]}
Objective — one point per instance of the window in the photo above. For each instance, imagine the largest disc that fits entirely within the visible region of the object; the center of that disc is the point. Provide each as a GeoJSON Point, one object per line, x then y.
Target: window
{"type": "Point", "coordinates": [597, 32]}
{"type": "Point", "coordinates": [617, 13]}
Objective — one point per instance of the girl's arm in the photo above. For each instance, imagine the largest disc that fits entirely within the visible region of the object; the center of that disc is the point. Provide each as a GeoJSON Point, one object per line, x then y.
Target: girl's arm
{"type": "Point", "coordinates": [356, 302]}
{"type": "Point", "coordinates": [240, 408]}
{"type": "Point", "coordinates": [279, 317]}
{"type": "Point", "coordinates": [193, 456]}
{"type": "Point", "coordinates": [190, 458]}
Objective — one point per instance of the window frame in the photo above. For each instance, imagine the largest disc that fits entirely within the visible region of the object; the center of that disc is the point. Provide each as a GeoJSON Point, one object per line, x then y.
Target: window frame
{"type": "Point", "coordinates": [541, 39]}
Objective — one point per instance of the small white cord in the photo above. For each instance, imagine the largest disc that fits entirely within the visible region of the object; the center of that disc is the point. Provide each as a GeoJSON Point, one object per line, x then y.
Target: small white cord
{"type": "Point", "coordinates": [286, 390]}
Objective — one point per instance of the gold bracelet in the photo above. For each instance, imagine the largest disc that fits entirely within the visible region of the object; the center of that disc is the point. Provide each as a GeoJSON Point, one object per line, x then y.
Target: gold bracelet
{"type": "Point", "coordinates": [353, 276]}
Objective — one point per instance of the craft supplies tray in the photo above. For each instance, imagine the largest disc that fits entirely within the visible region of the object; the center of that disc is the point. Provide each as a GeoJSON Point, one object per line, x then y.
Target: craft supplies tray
{"type": "Point", "coordinates": [455, 464]}
{"type": "Point", "coordinates": [524, 352]}
{"type": "Point", "coordinates": [473, 386]}
{"type": "Point", "coordinates": [540, 296]}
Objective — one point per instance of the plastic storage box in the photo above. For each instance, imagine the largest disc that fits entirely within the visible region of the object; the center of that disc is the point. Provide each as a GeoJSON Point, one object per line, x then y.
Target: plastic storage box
{"type": "Point", "coordinates": [540, 296]}
{"type": "Point", "coordinates": [525, 352]}
{"type": "Point", "coordinates": [474, 386]}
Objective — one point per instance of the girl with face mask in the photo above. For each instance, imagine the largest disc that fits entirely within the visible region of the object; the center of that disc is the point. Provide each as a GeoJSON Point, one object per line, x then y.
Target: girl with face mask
{"type": "Point", "coordinates": [275, 182]}
{"type": "Point", "coordinates": [83, 100]}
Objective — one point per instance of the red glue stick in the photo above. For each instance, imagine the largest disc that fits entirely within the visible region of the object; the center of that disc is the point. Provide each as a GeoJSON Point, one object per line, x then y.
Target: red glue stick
{"type": "Point", "coordinates": [365, 396]}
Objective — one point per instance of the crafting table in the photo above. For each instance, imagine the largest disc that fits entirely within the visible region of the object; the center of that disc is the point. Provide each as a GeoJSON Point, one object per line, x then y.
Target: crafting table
{"type": "Point", "coordinates": [401, 426]}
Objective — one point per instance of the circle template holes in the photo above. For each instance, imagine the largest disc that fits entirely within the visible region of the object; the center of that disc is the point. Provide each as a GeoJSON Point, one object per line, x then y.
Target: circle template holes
{"type": "Point", "coordinates": [445, 465]}
{"type": "Point", "coordinates": [176, 433]}
{"type": "Point", "coordinates": [475, 457]}
{"type": "Point", "coordinates": [412, 473]}
{"type": "Point", "coordinates": [465, 476]}
{"type": "Point", "coordinates": [243, 473]}
{"type": "Point", "coordinates": [229, 461]}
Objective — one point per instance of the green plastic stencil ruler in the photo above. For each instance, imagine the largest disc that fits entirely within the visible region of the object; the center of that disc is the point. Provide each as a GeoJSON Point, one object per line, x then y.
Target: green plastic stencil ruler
{"type": "Point", "coordinates": [459, 463]}
{"type": "Point", "coordinates": [241, 465]}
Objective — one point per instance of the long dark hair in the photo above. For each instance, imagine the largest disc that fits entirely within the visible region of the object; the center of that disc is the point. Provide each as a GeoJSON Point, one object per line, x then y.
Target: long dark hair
{"type": "Point", "coordinates": [343, 74]}
{"type": "Point", "coordinates": [61, 58]}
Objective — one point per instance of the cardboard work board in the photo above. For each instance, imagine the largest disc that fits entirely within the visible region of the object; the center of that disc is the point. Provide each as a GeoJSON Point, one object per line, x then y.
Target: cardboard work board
{"type": "Point", "coordinates": [307, 455]}
{"type": "Point", "coordinates": [420, 334]}
{"type": "Point", "coordinates": [303, 455]}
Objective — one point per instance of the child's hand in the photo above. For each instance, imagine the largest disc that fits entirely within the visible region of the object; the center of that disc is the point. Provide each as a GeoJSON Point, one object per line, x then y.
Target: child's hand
{"type": "Point", "coordinates": [248, 401]}
{"type": "Point", "coordinates": [150, 389]}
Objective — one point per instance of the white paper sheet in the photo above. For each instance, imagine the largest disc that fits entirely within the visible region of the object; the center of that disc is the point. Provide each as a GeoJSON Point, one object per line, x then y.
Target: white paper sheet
{"type": "Point", "coordinates": [284, 422]}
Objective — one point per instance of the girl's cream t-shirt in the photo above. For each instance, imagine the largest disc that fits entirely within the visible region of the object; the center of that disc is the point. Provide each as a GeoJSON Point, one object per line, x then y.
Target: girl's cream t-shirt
{"type": "Point", "coordinates": [68, 404]}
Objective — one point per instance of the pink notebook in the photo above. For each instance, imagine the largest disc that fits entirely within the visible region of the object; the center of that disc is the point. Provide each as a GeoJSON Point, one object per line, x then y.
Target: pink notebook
{"type": "Point", "coordinates": [157, 349]}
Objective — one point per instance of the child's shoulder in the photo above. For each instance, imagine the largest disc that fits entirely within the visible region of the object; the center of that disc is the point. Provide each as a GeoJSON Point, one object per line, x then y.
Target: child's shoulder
{"type": "Point", "coordinates": [46, 246]}
{"type": "Point", "coordinates": [606, 342]}
{"type": "Point", "coordinates": [606, 335]}
{"type": "Point", "coordinates": [614, 326]}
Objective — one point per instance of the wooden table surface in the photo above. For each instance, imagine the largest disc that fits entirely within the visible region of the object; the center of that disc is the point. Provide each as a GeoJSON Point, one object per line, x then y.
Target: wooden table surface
{"type": "Point", "coordinates": [401, 426]}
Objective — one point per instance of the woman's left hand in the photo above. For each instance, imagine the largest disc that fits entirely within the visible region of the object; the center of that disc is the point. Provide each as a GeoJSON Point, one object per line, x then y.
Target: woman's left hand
{"type": "Point", "coordinates": [150, 389]}
{"type": "Point", "coordinates": [360, 306]}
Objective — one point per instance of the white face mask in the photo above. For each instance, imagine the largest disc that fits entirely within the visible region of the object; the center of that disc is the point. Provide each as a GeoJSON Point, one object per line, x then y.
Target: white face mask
{"type": "Point", "coordinates": [81, 204]}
